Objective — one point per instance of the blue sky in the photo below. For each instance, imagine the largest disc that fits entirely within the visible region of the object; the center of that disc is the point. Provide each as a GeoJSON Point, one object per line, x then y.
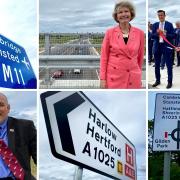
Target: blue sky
{"type": "Point", "coordinates": [23, 104]}
{"type": "Point", "coordinates": [126, 110]}
{"type": "Point", "coordinates": [83, 16]}
{"type": "Point", "coordinates": [19, 24]}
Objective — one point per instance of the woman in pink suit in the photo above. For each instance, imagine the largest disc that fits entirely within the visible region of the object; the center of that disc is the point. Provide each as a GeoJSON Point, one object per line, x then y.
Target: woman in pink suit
{"type": "Point", "coordinates": [122, 51]}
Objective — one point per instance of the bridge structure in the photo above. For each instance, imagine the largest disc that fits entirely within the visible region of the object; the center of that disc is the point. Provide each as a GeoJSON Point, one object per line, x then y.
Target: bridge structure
{"type": "Point", "coordinates": [76, 55]}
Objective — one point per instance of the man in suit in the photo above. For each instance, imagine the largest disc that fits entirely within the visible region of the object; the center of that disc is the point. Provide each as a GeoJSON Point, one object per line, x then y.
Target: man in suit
{"type": "Point", "coordinates": [162, 48]}
{"type": "Point", "coordinates": [19, 136]}
{"type": "Point", "coordinates": [177, 40]}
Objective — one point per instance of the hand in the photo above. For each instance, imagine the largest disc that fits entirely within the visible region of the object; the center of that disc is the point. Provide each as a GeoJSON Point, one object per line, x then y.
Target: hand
{"type": "Point", "coordinates": [177, 49]}
{"type": "Point", "coordinates": [102, 84]}
{"type": "Point", "coordinates": [159, 31]}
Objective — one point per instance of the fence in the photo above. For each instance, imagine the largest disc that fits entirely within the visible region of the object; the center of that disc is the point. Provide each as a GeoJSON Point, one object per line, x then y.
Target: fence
{"type": "Point", "coordinates": [70, 44]}
{"type": "Point", "coordinates": [70, 60]}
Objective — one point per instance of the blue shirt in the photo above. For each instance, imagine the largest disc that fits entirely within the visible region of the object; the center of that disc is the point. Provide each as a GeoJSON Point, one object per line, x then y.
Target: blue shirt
{"type": "Point", "coordinates": [4, 170]}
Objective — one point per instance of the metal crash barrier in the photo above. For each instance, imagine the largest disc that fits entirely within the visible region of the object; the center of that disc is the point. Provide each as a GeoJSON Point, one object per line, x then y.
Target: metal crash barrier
{"type": "Point", "coordinates": [70, 60]}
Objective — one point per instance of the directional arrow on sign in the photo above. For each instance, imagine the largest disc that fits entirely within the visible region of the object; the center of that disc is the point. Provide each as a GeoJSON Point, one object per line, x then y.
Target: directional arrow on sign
{"type": "Point", "coordinates": [62, 108]}
{"type": "Point", "coordinates": [177, 138]}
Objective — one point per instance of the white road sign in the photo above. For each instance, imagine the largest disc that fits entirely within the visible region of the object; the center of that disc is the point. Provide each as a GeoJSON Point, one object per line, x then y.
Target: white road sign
{"type": "Point", "coordinates": [167, 122]}
{"type": "Point", "coordinates": [81, 134]}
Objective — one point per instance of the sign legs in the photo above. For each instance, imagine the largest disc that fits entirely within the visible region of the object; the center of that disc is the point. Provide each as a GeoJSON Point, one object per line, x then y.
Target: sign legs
{"type": "Point", "coordinates": [167, 162]}
{"type": "Point", "coordinates": [78, 173]}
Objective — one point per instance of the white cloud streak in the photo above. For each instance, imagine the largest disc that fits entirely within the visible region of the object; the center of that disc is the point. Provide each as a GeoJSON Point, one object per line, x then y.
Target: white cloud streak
{"type": "Point", "coordinates": [19, 24]}
{"type": "Point", "coordinates": [83, 16]}
{"type": "Point", "coordinates": [171, 8]}
{"type": "Point", "coordinates": [22, 104]}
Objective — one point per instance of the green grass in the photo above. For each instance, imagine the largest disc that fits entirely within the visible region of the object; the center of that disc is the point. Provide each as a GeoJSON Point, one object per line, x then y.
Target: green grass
{"type": "Point", "coordinates": [96, 40]}
{"type": "Point", "coordinates": [61, 39]}
{"type": "Point", "coordinates": [56, 39]}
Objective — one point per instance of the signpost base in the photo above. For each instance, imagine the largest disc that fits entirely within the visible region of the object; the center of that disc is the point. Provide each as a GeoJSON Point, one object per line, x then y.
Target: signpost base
{"type": "Point", "coordinates": [78, 173]}
{"type": "Point", "coordinates": [167, 161]}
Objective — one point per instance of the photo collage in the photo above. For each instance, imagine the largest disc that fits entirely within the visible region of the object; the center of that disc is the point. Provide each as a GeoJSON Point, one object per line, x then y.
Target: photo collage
{"type": "Point", "coordinates": [90, 90]}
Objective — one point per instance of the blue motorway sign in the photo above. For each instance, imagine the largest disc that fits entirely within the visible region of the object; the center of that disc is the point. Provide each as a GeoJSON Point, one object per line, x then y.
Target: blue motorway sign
{"type": "Point", "coordinates": [15, 68]}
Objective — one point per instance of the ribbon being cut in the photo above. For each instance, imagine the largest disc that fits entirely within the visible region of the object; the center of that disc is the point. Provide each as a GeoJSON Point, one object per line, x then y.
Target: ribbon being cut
{"type": "Point", "coordinates": [165, 39]}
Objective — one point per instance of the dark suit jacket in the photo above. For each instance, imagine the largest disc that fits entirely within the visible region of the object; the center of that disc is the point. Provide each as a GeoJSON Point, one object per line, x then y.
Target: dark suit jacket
{"type": "Point", "coordinates": [170, 34]}
{"type": "Point", "coordinates": [22, 141]}
{"type": "Point", "coordinates": [149, 36]}
{"type": "Point", "coordinates": [177, 37]}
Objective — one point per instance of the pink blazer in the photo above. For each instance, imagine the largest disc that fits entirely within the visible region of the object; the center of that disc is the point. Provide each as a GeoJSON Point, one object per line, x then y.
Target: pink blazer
{"type": "Point", "coordinates": [121, 64]}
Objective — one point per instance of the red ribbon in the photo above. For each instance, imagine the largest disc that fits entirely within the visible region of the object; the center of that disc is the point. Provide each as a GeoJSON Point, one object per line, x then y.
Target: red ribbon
{"type": "Point", "coordinates": [165, 39]}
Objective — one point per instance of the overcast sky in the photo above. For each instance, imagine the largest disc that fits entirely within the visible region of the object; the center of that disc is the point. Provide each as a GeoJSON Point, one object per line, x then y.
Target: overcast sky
{"type": "Point", "coordinates": [83, 16]}
{"type": "Point", "coordinates": [23, 104]}
{"type": "Point", "coordinates": [171, 8]}
{"type": "Point", "coordinates": [126, 110]}
{"type": "Point", "coordinates": [19, 24]}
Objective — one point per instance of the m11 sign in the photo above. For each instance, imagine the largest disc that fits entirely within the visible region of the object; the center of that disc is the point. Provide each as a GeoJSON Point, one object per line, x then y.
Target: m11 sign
{"type": "Point", "coordinates": [81, 134]}
{"type": "Point", "coordinates": [15, 68]}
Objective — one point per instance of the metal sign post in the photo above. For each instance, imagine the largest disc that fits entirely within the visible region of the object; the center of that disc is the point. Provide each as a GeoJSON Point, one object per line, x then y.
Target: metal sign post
{"type": "Point", "coordinates": [167, 162]}
{"type": "Point", "coordinates": [78, 173]}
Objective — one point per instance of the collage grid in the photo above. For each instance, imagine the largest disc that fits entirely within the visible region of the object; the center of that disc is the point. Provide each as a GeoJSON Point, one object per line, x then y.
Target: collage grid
{"type": "Point", "coordinates": [52, 51]}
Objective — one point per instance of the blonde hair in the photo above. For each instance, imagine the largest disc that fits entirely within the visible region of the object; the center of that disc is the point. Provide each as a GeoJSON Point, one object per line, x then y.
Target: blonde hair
{"type": "Point", "coordinates": [122, 4]}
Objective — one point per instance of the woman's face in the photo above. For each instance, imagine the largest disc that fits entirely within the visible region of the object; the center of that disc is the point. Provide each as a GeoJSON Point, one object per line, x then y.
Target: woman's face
{"type": "Point", "coordinates": [123, 15]}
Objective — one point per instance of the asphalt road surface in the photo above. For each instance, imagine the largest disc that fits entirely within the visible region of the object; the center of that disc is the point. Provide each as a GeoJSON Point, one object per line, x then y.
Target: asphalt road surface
{"type": "Point", "coordinates": [69, 74]}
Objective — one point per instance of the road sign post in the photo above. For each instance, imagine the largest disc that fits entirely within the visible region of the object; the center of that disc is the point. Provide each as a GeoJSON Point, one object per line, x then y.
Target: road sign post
{"type": "Point", "coordinates": [15, 68]}
{"type": "Point", "coordinates": [78, 173]}
{"type": "Point", "coordinates": [81, 134]}
{"type": "Point", "coordinates": [167, 162]}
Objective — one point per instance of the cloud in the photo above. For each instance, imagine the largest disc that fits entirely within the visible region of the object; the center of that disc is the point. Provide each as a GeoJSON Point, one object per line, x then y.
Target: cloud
{"type": "Point", "coordinates": [22, 105]}
{"type": "Point", "coordinates": [83, 16]}
{"type": "Point", "coordinates": [171, 8]}
{"type": "Point", "coordinates": [19, 24]}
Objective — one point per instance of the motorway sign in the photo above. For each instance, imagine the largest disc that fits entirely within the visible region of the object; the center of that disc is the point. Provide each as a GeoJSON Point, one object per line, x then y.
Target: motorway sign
{"type": "Point", "coordinates": [15, 68]}
{"type": "Point", "coordinates": [167, 122]}
{"type": "Point", "coordinates": [81, 134]}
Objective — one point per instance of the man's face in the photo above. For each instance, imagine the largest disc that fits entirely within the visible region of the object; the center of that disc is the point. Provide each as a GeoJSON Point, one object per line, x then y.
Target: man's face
{"type": "Point", "coordinates": [161, 16]}
{"type": "Point", "coordinates": [4, 108]}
